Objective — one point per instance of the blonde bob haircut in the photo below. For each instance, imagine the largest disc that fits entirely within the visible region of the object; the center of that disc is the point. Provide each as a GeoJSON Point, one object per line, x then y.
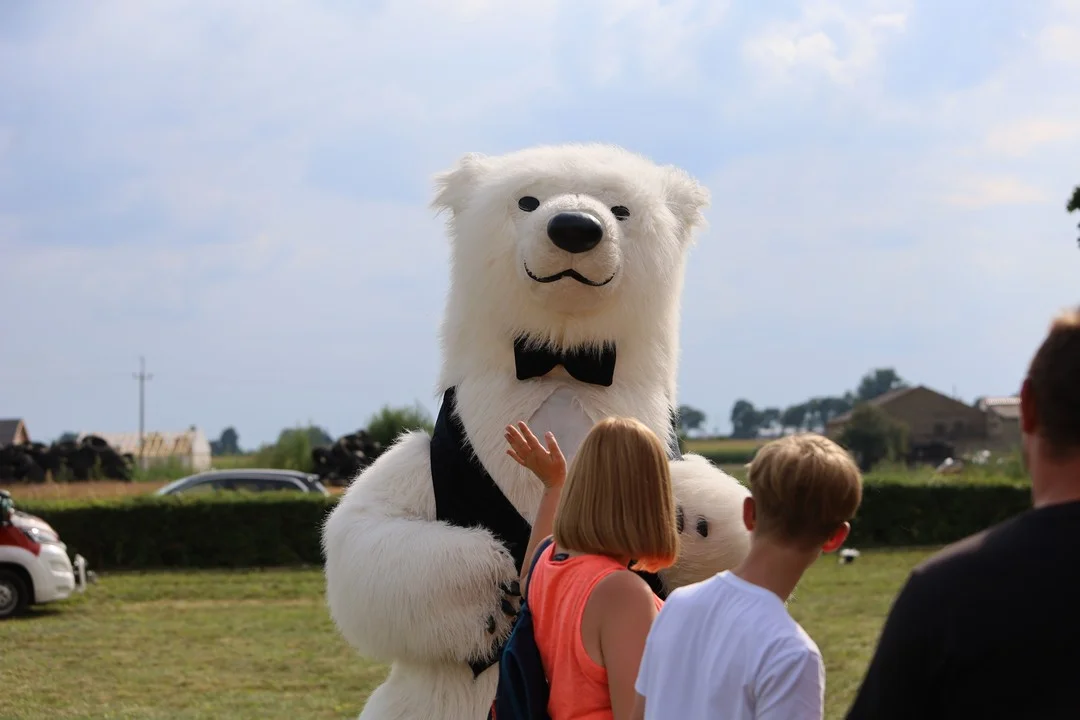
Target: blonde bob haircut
{"type": "Point", "coordinates": [617, 499]}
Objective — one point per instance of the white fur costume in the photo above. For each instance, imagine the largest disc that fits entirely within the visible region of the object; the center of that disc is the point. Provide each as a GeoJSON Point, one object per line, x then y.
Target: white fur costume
{"type": "Point", "coordinates": [410, 590]}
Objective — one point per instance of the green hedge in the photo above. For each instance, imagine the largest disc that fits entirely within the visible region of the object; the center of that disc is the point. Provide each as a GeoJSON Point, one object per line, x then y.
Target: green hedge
{"type": "Point", "coordinates": [272, 530]}
{"type": "Point", "coordinates": [910, 515]}
{"type": "Point", "coordinates": [245, 530]}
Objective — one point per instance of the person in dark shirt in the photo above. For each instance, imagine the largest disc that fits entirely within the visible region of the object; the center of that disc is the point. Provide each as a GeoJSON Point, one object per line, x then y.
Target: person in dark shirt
{"type": "Point", "coordinates": [990, 626]}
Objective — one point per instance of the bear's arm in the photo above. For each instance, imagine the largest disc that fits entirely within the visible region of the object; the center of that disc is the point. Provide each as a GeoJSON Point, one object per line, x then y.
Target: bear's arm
{"type": "Point", "coordinates": [402, 586]}
{"type": "Point", "coordinates": [712, 535]}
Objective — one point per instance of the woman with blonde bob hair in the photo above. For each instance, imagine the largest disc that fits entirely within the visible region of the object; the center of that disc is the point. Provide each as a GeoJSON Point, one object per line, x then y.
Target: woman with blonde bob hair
{"type": "Point", "coordinates": [613, 512]}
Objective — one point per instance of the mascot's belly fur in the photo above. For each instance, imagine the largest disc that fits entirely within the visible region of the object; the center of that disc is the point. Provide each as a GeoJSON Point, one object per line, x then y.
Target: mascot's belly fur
{"type": "Point", "coordinates": [423, 546]}
{"type": "Point", "coordinates": [562, 414]}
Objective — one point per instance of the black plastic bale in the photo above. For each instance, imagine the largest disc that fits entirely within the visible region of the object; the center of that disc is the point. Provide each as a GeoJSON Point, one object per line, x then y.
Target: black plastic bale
{"type": "Point", "coordinates": [20, 463]}
{"type": "Point", "coordinates": [342, 461]}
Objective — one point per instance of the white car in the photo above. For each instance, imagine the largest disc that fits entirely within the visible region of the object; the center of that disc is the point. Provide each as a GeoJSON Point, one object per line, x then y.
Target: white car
{"type": "Point", "coordinates": [34, 563]}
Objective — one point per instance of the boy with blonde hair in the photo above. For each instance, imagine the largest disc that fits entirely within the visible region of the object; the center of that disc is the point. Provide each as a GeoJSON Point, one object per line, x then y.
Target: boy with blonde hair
{"type": "Point", "coordinates": [727, 647]}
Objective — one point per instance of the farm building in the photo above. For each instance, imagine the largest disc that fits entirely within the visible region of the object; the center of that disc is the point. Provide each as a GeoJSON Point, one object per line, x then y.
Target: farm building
{"type": "Point", "coordinates": [189, 448]}
{"type": "Point", "coordinates": [1003, 418]}
{"type": "Point", "coordinates": [13, 432]}
{"type": "Point", "coordinates": [933, 418]}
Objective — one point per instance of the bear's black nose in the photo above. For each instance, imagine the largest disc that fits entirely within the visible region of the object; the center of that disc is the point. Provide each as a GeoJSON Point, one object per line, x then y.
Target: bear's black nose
{"type": "Point", "coordinates": [575, 232]}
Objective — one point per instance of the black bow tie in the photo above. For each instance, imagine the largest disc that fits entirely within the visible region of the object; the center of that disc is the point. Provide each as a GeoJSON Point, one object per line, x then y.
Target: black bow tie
{"type": "Point", "coordinates": [595, 366]}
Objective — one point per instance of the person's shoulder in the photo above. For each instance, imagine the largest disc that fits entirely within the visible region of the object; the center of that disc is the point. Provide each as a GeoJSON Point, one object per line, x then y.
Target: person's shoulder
{"type": "Point", "coordinates": [802, 643]}
{"type": "Point", "coordinates": [622, 590]}
{"type": "Point", "coordinates": [685, 594]}
{"type": "Point", "coordinates": [695, 596]}
{"type": "Point", "coordinates": [788, 638]}
{"type": "Point", "coordinates": [789, 652]}
{"type": "Point", "coordinates": [979, 550]}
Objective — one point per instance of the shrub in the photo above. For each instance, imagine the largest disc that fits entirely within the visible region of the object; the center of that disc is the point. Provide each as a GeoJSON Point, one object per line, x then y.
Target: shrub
{"type": "Point", "coordinates": [230, 530]}
{"type": "Point", "coordinates": [385, 425]}
{"type": "Point", "coordinates": [163, 471]}
{"type": "Point", "coordinates": [895, 514]}
{"type": "Point", "coordinates": [872, 436]}
{"type": "Point", "coordinates": [292, 451]}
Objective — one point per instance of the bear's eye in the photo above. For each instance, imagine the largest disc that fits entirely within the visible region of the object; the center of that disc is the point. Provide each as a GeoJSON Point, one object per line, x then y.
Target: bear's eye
{"type": "Point", "coordinates": [528, 203]}
{"type": "Point", "coordinates": [620, 212]}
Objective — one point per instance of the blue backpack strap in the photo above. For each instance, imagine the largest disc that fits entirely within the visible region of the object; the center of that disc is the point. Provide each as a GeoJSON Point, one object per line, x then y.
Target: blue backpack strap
{"type": "Point", "coordinates": [532, 566]}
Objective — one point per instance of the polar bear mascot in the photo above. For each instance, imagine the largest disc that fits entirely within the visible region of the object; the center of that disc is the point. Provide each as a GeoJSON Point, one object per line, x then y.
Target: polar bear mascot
{"type": "Point", "coordinates": [566, 272]}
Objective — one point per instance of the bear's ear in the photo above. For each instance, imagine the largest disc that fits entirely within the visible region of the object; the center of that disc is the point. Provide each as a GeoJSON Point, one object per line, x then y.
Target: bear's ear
{"type": "Point", "coordinates": [686, 198]}
{"type": "Point", "coordinates": [454, 186]}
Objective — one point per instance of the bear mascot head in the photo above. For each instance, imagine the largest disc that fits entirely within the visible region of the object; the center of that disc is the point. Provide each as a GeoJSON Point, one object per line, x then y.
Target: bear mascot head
{"type": "Point", "coordinates": [566, 273]}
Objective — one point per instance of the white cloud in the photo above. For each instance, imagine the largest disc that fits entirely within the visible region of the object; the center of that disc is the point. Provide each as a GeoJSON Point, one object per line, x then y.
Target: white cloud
{"type": "Point", "coordinates": [837, 41]}
{"type": "Point", "coordinates": [990, 191]}
{"type": "Point", "coordinates": [1059, 40]}
{"type": "Point", "coordinates": [894, 20]}
{"type": "Point", "coordinates": [1060, 43]}
{"type": "Point", "coordinates": [1021, 138]}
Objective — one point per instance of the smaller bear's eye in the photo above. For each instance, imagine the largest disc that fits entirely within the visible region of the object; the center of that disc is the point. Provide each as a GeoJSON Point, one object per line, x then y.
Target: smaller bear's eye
{"type": "Point", "coordinates": [620, 212]}
{"type": "Point", "coordinates": [528, 203]}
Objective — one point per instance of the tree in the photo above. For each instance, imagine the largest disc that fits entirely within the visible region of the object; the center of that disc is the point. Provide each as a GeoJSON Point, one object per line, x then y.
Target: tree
{"type": "Point", "coordinates": [813, 414]}
{"type": "Point", "coordinates": [292, 451]}
{"type": "Point", "coordinates": [1074, 205]}
{"type": "Point", "coordinates": [227, 444]}
{"type": "Point", "coordinates": [794, 417]}
{"type": "Point", "coordinates": [745, 420]}
{"type": "Point", "coordinates": [831, 407]}
{"type": "Point", "coordinates": [386, 425]}
{"type": "Point", "coordinates": [318, 437]}
{"type": "Point", "coordinates": [230, 441]}
{"type": "Point", "coordinates": [690, 419]}
{"type": "Point", "coordinates": [67, 437]}
{"type": "Point", "coordinates": [872, 436]}
{"type": "Point", "coordinates": [878, 382]}
{"type": "Point", "coordinates": [770, 417]}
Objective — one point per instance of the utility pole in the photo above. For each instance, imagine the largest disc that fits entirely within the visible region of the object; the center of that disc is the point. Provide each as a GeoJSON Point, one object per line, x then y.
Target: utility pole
{"type": "Point", "coordinates": [142, 376]}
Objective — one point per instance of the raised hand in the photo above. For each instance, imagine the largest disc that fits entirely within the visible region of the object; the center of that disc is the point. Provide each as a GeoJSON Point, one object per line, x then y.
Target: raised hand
{"type": "Point", "coordinates": [548, 464]}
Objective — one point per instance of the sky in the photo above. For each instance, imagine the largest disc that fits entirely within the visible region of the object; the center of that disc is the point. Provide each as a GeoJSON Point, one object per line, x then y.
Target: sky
{"type": "Point", "coordinates": [240, 192]}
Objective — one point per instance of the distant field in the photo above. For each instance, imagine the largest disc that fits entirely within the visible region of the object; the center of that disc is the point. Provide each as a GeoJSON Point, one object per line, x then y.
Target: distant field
{"type": "Point", "coordinates": [96, 490]}
{"type": "Point", "coordinates": [228, 462]}
{"type": "Point", "coordinates": [713, 445]}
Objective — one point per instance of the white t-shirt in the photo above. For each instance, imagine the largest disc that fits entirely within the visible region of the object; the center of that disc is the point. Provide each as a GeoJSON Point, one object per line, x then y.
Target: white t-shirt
{"type": "Point", "coordinates": [726, 648]}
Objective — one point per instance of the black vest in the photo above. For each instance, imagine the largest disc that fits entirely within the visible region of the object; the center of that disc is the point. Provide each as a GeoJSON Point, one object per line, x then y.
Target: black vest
{"type": "Point", "coordinates": [466, 495]}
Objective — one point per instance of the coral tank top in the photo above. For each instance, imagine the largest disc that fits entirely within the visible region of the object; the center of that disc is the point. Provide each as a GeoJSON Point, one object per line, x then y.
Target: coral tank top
{"type": "Point", "coordinates": [558, 589]}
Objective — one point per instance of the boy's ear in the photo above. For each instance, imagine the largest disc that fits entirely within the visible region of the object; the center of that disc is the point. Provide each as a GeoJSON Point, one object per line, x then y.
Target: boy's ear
{"type": "Point", "coordinates": [749, 514]}
{"type": "Point", "coordinates": [837, 538]}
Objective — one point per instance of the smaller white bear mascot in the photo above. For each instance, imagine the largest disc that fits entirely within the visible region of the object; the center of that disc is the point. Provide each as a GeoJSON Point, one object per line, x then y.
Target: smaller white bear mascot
{"type": "Point", "coordinates": [566, 273]}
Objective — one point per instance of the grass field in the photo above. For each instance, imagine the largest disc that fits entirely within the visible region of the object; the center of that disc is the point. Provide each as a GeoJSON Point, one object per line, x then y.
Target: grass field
{"type": "Point", "coordinates": [260, 644]}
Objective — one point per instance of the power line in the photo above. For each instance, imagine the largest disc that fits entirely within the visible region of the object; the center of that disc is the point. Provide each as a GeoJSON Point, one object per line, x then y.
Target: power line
{"type": "Point", "coordinates": [142, 376]}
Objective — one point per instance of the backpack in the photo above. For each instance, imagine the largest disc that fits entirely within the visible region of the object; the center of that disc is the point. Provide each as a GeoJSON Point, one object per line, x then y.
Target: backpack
{"type": "Point", "coordinates": [522, 692]}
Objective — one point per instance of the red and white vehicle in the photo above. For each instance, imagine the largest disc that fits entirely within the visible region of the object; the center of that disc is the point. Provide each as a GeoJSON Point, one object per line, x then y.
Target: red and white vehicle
{"type": "Point", "coordinates": [34, 564]}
